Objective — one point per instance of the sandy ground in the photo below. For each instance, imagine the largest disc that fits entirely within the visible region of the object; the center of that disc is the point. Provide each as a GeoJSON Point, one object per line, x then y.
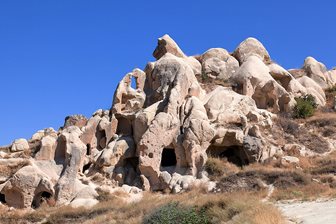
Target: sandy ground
{"type": "Point", "coordinates": [315, 212]}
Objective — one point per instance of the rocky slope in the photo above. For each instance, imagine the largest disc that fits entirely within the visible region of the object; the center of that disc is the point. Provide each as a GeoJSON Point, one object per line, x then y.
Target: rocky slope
{"type": "Point", "coordinates": [158, 134]}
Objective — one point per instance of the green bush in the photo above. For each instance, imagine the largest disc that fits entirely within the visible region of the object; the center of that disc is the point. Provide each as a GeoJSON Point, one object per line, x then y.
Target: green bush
{"type": "Point", "coordinates": [305, 106]}
{"type": "Point", "coordinates": [173, 213]}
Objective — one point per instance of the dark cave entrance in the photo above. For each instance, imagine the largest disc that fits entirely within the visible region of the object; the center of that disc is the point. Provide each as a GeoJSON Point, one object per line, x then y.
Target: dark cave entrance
{"type": "Point", "coordinates": [124, 126]}
{"type": "Point", "coordinates": [168, 157]}
{"type": "Point", "coordinates": [2, 198]}
{"type": "Point", "coordinates": [60, 152]}
{"type": "Point", "coordinates": [86, 167]}
{"type": "Point", "coordinates": [88, 149]}
{"type": "Point", "coordinates": [101, 139]}
{"type": "Point", "coordinates": [234, 154]}
{"type": "Point", "coordinates": [40, 198]}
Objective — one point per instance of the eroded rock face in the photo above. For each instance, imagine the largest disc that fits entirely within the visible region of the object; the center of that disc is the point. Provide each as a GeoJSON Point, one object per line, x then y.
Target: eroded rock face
{"type": "Point", "coordinates": [160, 130]}
{"type": "Point", "coordinates": [254, 80]}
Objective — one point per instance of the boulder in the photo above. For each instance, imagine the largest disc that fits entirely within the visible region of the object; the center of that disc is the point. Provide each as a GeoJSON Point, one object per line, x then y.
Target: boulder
{"type": "Point", "coordinates": [27, 188]}
{"type": "Point", "coordinates": [20, 145]}
{"type": "Point", "coordinates": [249, 47]}
{"type": "Point", "coordinates": [316, 71]}
{"type": "Point", "coordinates": [75, 120]}
{"type": "Point", "coordinates": [254, 79]}
{"type": "Point", "coordinates": [167, 45]}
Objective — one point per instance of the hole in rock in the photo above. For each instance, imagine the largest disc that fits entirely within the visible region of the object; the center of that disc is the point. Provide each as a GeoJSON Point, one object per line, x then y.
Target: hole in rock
{"type": "Point", "coordinates": [60, 151]}
{"type": "Point", "coordinates": [133, 161]}
{"type": "Point", "coordinates": [234, 154]}
{"type": "Point", "coordinates": [101, 139]}
{"type": "Point", "coordinates": [124, 126]}
{"type": "Point", "coordinates": [2, 198]}
{"type": "Point", "coordinates": [40, 198]}
{"type": "Point", "coordinates": [86, 167]}
{"type": "Point", "coordinates": [88, 149]}
{"type": "Point", "coordinates": [133, 83]}
{"type": "Point", "coordinates": [168, 157]}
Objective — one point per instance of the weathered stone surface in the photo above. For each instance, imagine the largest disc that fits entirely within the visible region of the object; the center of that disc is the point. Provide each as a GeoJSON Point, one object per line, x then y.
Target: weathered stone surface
{"type": "Point", "coordinates": [167, 45]}
{"type": "Point", "coordinates": [316, 71]}
{"type": "Point", "coordinates": [162, 126]}
{"type": "Point", "coordinates": [20, 145]}
{"type": "Point", "coordinates": [75, 120]}
{"type": "Point", "coordinates": [254, 80]}
{"type": "Point", "coordinates": [249, 47]}
{"type": "Point", "coordinates": [314, 89]}
{"type": "Point", "coordinates": [26, 188]}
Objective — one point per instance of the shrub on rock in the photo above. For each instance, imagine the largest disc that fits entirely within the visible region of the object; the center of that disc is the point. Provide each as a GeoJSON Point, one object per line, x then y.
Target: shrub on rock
{"type": "Point", "coordinates": [173, 213]}
{"type": "Point", "coordinates": [305, 106]}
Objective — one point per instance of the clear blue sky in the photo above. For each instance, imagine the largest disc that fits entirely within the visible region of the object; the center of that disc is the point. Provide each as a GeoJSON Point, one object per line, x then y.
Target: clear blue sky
{"type": "Point", "coordinates": [65, 57]}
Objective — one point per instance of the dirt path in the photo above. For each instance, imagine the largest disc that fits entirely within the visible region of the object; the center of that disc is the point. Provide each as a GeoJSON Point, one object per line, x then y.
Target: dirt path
{"type": "Point", "coordinates": [315, 212]}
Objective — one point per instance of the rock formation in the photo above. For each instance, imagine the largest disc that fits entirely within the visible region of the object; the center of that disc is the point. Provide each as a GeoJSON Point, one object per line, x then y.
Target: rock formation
{"type": "Point", "coordinates": [158, 135]}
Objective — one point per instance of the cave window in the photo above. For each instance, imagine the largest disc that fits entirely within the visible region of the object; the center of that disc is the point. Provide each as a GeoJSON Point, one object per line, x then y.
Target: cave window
{"type": "Point", "coordinates": [168, 157]}
{"type": "Point", "coordinates": [60, 152]}
{"type": "Point", "coordinates": [101, 139]}
{"type": "Point", "coordinates": [133, 82]}
{"type": "Point", "coordinates": [2, 198]}
{"type": "Point", "coordinates": [233, 154]}
{"type": "Point", "coordinates": [88, 149]}
{"type": "Point", "coordinates": [124, 126]}
{"type": "Point", "coordinates": [86, 167]}
{"type": "Point", "coordinates": [40, 198]}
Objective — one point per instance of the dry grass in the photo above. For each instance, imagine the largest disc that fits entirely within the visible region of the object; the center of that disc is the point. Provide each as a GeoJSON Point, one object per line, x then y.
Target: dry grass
{"type": "Point", "coordinates": [307, 192]}
{"type": "Point", "coordinates": [305, 132]}
{"type": "Point", "coordinates": [240, 207]}
{"type": "Point", "coordinates": [220, 167]}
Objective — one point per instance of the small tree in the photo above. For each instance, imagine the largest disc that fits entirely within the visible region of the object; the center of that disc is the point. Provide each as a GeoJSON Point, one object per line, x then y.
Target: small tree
{"type": "Point", "coordinates": [305, 106]}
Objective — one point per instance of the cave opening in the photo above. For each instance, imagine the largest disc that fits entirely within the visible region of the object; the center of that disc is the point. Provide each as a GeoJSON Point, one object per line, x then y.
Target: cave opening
{"type": "Point", "coordinates": [133, 82]}
{"type": "Point", "coordinates": [60, 152]}
{"type": "Point", "coordinates": [86, 167]}
{"type": "Point", "coordinates": [41, 198]}
{"type": "Point", "coordinates": [168, 157]}
{"type": "Point", "coordinates": [2, 198]}
{"type": "Point", "coordinates": [101, 139]}
{"type": "Point", "coordinates": [88, 149]}
{"type": "Point", "coordinates": [234, 154]}
{"type": "Point", "coordinates": [124, 127]}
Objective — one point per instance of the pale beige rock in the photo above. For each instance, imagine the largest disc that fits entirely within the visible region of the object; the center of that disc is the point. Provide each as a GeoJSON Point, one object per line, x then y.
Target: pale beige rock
{"type": "Point", "coordinates": [20, 145]}
{"type": "Point", "coordinates": [75, 120]}
{"type": "Point", "coordinates": [254, 80]}
{"type": "Point", "coordinates": [167, 45]}
{"type": "Point", "coordinates": [314, 89]}
{"type": "Point", "coordinates": [47, 150]}
{"type": "Point", "coordinates": [219, 53]}
{"type": "Point", "coordinates": [316, 71]}
{"type": "Point", "coordinates": [126, 98]}
{"type": "Point", "coordinates": [27, 187]}
{"type": "Point", "coordinates": [290, 160]}
{"type": "Point", "coordinates": [249, 47]}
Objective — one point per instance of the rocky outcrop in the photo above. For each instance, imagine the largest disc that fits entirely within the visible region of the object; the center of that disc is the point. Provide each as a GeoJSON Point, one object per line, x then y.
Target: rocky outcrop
{"type": "Point", "coordinates": [160, 130]}
{"type": "Point", "coordinates": [250, 47]}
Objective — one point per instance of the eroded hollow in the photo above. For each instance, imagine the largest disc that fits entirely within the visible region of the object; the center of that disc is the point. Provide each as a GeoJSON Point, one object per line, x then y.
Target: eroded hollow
{"type": "Point", "coordinates": [234, 154]}
{"type": "Point", "coordinates": [168, 157]}
{"type": "Point", "coordinates": [40, 198]}
{"type": "Point", "coordinates": [101, 139]}
{"type": "Point", "coordinates": [86, 167]}
{"type": "Point", "coordinates": [60, 152]}
{"type": "Point", "coordinates": [2, 198]}
{"type": "Point", "coordinates": [88, 149]}
{"type": "Point", "coordinates": [124, 126]}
